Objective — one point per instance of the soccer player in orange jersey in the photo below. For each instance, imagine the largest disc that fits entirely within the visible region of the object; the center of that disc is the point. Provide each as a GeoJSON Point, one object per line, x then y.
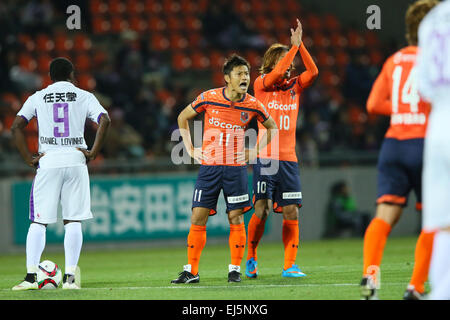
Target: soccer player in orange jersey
{"type": "Point", "coordinates": [280, 94]}
{"type": "Point", "coordinates": [395, 94]}
{"type": "Point", "coordinates": [228, 112]}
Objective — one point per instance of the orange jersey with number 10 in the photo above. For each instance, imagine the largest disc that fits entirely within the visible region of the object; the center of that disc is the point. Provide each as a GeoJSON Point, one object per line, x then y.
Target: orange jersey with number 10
{"type": "Point", "coordinates": [395, 94]}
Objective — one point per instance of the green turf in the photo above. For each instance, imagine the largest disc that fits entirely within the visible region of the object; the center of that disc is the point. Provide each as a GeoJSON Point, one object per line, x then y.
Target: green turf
{"type": "Point", "coordinates": [333, 269]}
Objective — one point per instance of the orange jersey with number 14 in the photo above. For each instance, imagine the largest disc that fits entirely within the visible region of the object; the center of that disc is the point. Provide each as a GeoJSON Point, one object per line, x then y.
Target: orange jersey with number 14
{"type": "Point", "coordinates": [395, 94]}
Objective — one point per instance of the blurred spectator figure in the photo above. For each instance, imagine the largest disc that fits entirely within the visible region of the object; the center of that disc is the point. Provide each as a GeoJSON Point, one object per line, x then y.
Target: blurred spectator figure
{"type": "Point", "coordinates": [37, 16]}
{"type": "Point", "coordinates": [224, 29]}
{"type": "Point", "coordinates": [342, 214]}
{"type": "Point", "coordinates": [359, 78]}
{"type": "Point", "coordinates": [307, 150]}
{"type": "Point", "coordinates": [123, 141]}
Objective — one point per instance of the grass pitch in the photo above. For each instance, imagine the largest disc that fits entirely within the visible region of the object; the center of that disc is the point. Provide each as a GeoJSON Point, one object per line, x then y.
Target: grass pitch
{"type": "Point", "coordinates": [333, 269]}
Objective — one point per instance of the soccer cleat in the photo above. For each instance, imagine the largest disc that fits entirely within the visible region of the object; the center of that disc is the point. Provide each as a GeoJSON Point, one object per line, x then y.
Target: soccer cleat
{"type": "Point", "coordinates": [29, 283]}
{"type": "Point", "coordinates": [251, 271]}
{"type": "Point", "coordinates": [234, 274]}
{"type": "Point", "coordinates": [412, 294]}
{"type": "Point", "coordinates": [70, 283]}
{"type": "Point", "coordinates": [293, 272]}
{"type": "Point", "coordinates": [368, 289]}
{"type": "Point", "coordinates": [186, 276]}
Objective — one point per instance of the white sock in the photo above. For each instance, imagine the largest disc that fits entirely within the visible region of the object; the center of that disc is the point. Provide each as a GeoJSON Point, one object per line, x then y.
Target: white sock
{"type": "Point", "coordinates": [73, 240]}
{"type": "Point", "coordinates": [35, 246]}
{"type": "Point", "coordinates": [440, 267]}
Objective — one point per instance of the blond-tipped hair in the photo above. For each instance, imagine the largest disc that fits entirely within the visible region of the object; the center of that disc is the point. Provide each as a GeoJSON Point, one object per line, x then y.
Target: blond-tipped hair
{"type": "Point", "coordinates": [414, 15]}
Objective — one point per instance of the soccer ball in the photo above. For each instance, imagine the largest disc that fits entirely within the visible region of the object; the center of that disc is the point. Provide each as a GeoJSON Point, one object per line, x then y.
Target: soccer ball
{"type": "Point", "coordinates": [49, 275]}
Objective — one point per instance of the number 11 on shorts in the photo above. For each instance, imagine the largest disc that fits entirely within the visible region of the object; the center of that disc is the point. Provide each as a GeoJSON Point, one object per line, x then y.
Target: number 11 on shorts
{"type": "Point", "coordinates": [199, 193]}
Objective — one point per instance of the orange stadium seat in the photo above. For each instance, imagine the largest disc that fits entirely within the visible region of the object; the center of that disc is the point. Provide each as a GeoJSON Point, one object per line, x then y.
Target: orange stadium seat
{"type": "Point", "coordinates": [86, 81]}
{"type": "Point", "coordinates": [313, 23]}
{"type": "Point", "coordinates": [293, 6]}
{"type": "Point", "coordinates": [27, 42]}
{"type": "Point", "coordinates": [328, 78]}
{"type": "Point", "coordinates": [135, 6]}
{"type": "Point", "coordinates": [82, 42]}
{"type": "Point", "coordinates": [188, 6]}
{"type": "Point", "coordinates": [342, 58]}
{"type": "Point", "coordinates": [331, 22]}
{"type": "Point", "coordinates": [27, 62]}
{"type": "Point", "coordinates": [159, 42]}
{"type": "Point", "coordinates": [180, 61]}
{"type": "Point", "coordinates": [199, 61]}
{"type": "Point", "coordinates": [98, 7]}
{"type": "Point", "coordinates": [43, 63]}
{"type": "Point", "coordinates": [242, 7]}
{"type": "Point", "coordinates": [275, 6]}
{"type": "Point", "coordinates": [195, 39]}
{"type": "Point", "coordinates": [62, 42]}
{"type": "Point", "coordinates": [171, 6]}
{"type": "Point", "coordinates": [258, 6]}
{"type": "Point", "coordinates": [371, 39]}
{"type": "Point", "coordinates": [83, 62]}
{"type": "Point", "coordinates": [338, 40]}
{"type": "Point", "coordinates": [263, 23]}
{"type": "Point", "coordinates": [45, 80]}
{"type": "Point", "coordinates": [217, 59]}
{"type": "Point", "coordinates": [218, 79]}
{"type": "Point", "coordinates": [192, 23]}
{"type": "Point", "coordinates": [178, 42]}
{"type": "Point", "coordinates": [116, 7]}
{"type": "Point", "coordinates": [174, 23]}
{"type": "Point", "coordinates": [355, 40]}
{"type": "Point", "coordinates": [254, 58]}
{"type": "Point", "coordinates": [44, 43]}
{"type": "Point", "coordinates": [137, 23]}
{"type": "Point", "coordinates": [100, 25]}
{"type": "Point", "coordinates": [156, 24]}
{"type": "Point", "coordinates": [153, 6]}
{"type": "Point", "coordinates": [118, 24]}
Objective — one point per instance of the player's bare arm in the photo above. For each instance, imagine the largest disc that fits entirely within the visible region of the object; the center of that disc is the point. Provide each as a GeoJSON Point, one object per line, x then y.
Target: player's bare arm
{"type": "Point", "coordinates": [272, 131]}
{"type": "Point", "coordinates": [187, 114]}
{"type": "Point", "coordinates": [18, 134]}
{"type": "Point", "coordinates": [99, 138]}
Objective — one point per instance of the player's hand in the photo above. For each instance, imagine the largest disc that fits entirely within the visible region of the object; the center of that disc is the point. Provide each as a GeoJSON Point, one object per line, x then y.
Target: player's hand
{"type": "Point", "coordinates": [89, 155]}
{"type": "Point", "coordinates": [34, 161]}
{"type": "Point", "coordinates": [296, 35]}
{"type": "Point", "coordinates": [197, 154]}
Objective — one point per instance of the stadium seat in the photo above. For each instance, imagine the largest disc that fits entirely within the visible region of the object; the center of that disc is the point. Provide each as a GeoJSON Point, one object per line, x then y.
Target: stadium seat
{"type": "Point", "coordinates": [137, 23]}
{"type": "Point", "coordinates": [86, 81]}
{"type": "Point", "coordinates": [135, 6]}
{"type": "Point", "coordinates": [171, 6]}
{"type": "Point", "coordinates": [81, 42]}
{"type": "Point", "coordinates": [338, 40]}
{"type": "Point", "coordinates": [180, 61]}
{"type": "Point", "coordinates": [62, 42]}
{"type": "Point", "coordinates": [192, 23]}
{"type": "Point", "coordinates": [242, 7]}
{"type": "Point", "coordinates": [116, 7]}
{"type": "Point", "coordinates": [156, 24]}
{"type": "Point", "coordinates": [118, 24]}
{"type": "Point", "coordinates": [27, 62]}
{"type": "Point", "coordinates": [355, 40]}
{"type": "Point", "coordinates": [254, 58]}
{"type": "Point", "coordinates": [331, 22]}
{"type": "Point", "coordinates": [313, 23]}
{"type": "Point", "coordinates": [153, 7]}
{"type": "Point", "coordinates": [44, 43]}
{"type": "Point", "coordinates": [43, 63]}
{"type": "Point", "coordinates": [98, 7]}
{"type": "Point", "coordinates": [83, 62]}
{"type": "Point", "coordinates": [199, 61]}
{"type": "Point", "coordinates": [100, 25]}
{"type": "Point", "coordinates": [174, 23]}
{"type": "Point", "coordinates": [178, 42]}
{"type": "Point", "coordinates": [263, 23]}
{"type": "Point", "coordinates": [342, 58]}
{"type": "Point", "coordinates": [195, 40]}
{"type": "Point", "coordinates": [159, 42]}
{"type": "Point", "coordinates": [27, 42]}
{"type": "Point", "coordinates": [218, 79]}
{"type": "Point", "coordinates": [217, 58]}
{"type": "Point", "coordinates": [258, 6]}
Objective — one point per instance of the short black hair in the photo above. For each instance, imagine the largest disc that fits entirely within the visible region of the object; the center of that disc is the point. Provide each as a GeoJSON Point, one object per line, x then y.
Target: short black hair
{"type": "Point", "coordinates": [60, 69]}
{"type": "Point", "coordinates": [234, 61]}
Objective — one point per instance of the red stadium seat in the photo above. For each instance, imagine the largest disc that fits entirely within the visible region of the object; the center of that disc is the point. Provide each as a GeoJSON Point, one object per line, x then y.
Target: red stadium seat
{"type": "Point", "coordinates": [156, 24]}
{"type": "Point", "coordinates": [81, 42]}
{"type": "Point", "coordinates": [355, 40]}
{"type": "Point", "coordinates": [83, 62]}
{"type": "Point", "coordinates": [153, 7]}
{"type": "Point", "coordinates": [320, 40]}
{"type": "Point", "coordinates": [195, 40]}
{"type": "Point", "coordinates": [98, 7]}
{"type": "Point", "coordinates": [218, 79]}
{"type": "Point", "coordinates": [159, 42]}
{"type": "Point", "coordinates": [293, 6]}
{"type": "Point", "coordinates": [342, 58]}
{"type": "Point", "coordinates": [331, 22]}
{"type": "Point", "coordinates": [199, 61]}
{"type": "Point", "coordinates": [217, 59]}
{"type": "Point", "coordinates": [376, 57]}
{"type": "Point", "coordinates": [26, 62]}
{"type": "Point", "coordinates": [178, 42]}
{"type": "Point", "coordinates": [328, 78]}
{"type": "Point", "coordinates": [313, 23]}
{"type": "Point", "coordinates": [258, 6]}
{"type": "Point", "coordinates": [171, 6]}
{"type": "Point", "coordinates": [338, 40]}
{"type": "Point", "coordinates": [263, 23]}
{"type": "Point", "coordinates": [371, 39]}
{"type": "Point", "coordinates": [281, 23]}
{"type": "Point", "coordinates": [100, 25]}
{"type": "Point", "coordinates": [254, 58]}
{"type": "Point", "coordinates": [174, 23]}
{"type": "Point", "coordinates": [27, 42]}
{"type": "Point", "coordinates": [134, 6]}
{"type": "Point", "coordinates": [192, 23]}
{"type": "Point", "coordinates": [118, 24]}
{"type": "Point", "coordinates": [137, 23]}
{"type": "Point", "coordinates": [242, 7]}
{"type": "Point", "coordinates": [45, 80]}
{"type": "Point", "coordinates": [43, 63]}
{"type": "Point", "coordinates": [86, 81]}
{"type": "Point", "coordinates": [275, 6]}
{"type": "Point", "coordinates": [44, 43]}
{"type": "Point", "coordinates": [62, 42]}
{"type": "Point", "coordinates": [181, 62]}
{"type": "Point", "coordinates": [188, 6]}
{"type": "Point", "coordinates": [116, 7]}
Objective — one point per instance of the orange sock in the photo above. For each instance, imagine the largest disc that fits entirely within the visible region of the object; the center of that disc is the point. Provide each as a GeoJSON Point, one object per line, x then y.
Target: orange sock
{"type": "Point", "coordinates": [374, 241]}
{"type": "Point", "coordinates": [255, 231]}
{"type": "Point", "coordinates": [422, 259]}
{"type": "Point", "coordinates": [195, 242]}
{"type": "Point", "coordinates": [237, 243]}
{"type": "Point", "coordinates": [290, 234]}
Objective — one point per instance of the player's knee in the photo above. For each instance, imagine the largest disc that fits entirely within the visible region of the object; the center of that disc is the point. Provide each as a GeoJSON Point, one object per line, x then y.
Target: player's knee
{"type": "Point", "coordinates": [199, 216]}
{"type": "Point", "coordinates": [235, 217]}
{"type": "Point", "coordinates": [389, 213]}
{"type": "Point", "coordinates": [290, 212]}
{"type": "Point", "coordinates": [262, 209]}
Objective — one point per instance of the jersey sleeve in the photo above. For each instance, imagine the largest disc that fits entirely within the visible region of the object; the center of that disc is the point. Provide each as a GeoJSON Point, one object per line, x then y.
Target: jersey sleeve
{"type": "Point", "coordinates": [28, 110]}
{"type": "Point", "coordinates": [261, 112]}
{"type": "Point", "coordinates": [95, 109]}
{"type": "Point", "coordinates": [307, 77]}
{"type": "Point", "coordinates": [380, 101]}
{"type": "Point", "coordinates": [280, 69]}
{"type": "Point", "coordinates": [199, 104]}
